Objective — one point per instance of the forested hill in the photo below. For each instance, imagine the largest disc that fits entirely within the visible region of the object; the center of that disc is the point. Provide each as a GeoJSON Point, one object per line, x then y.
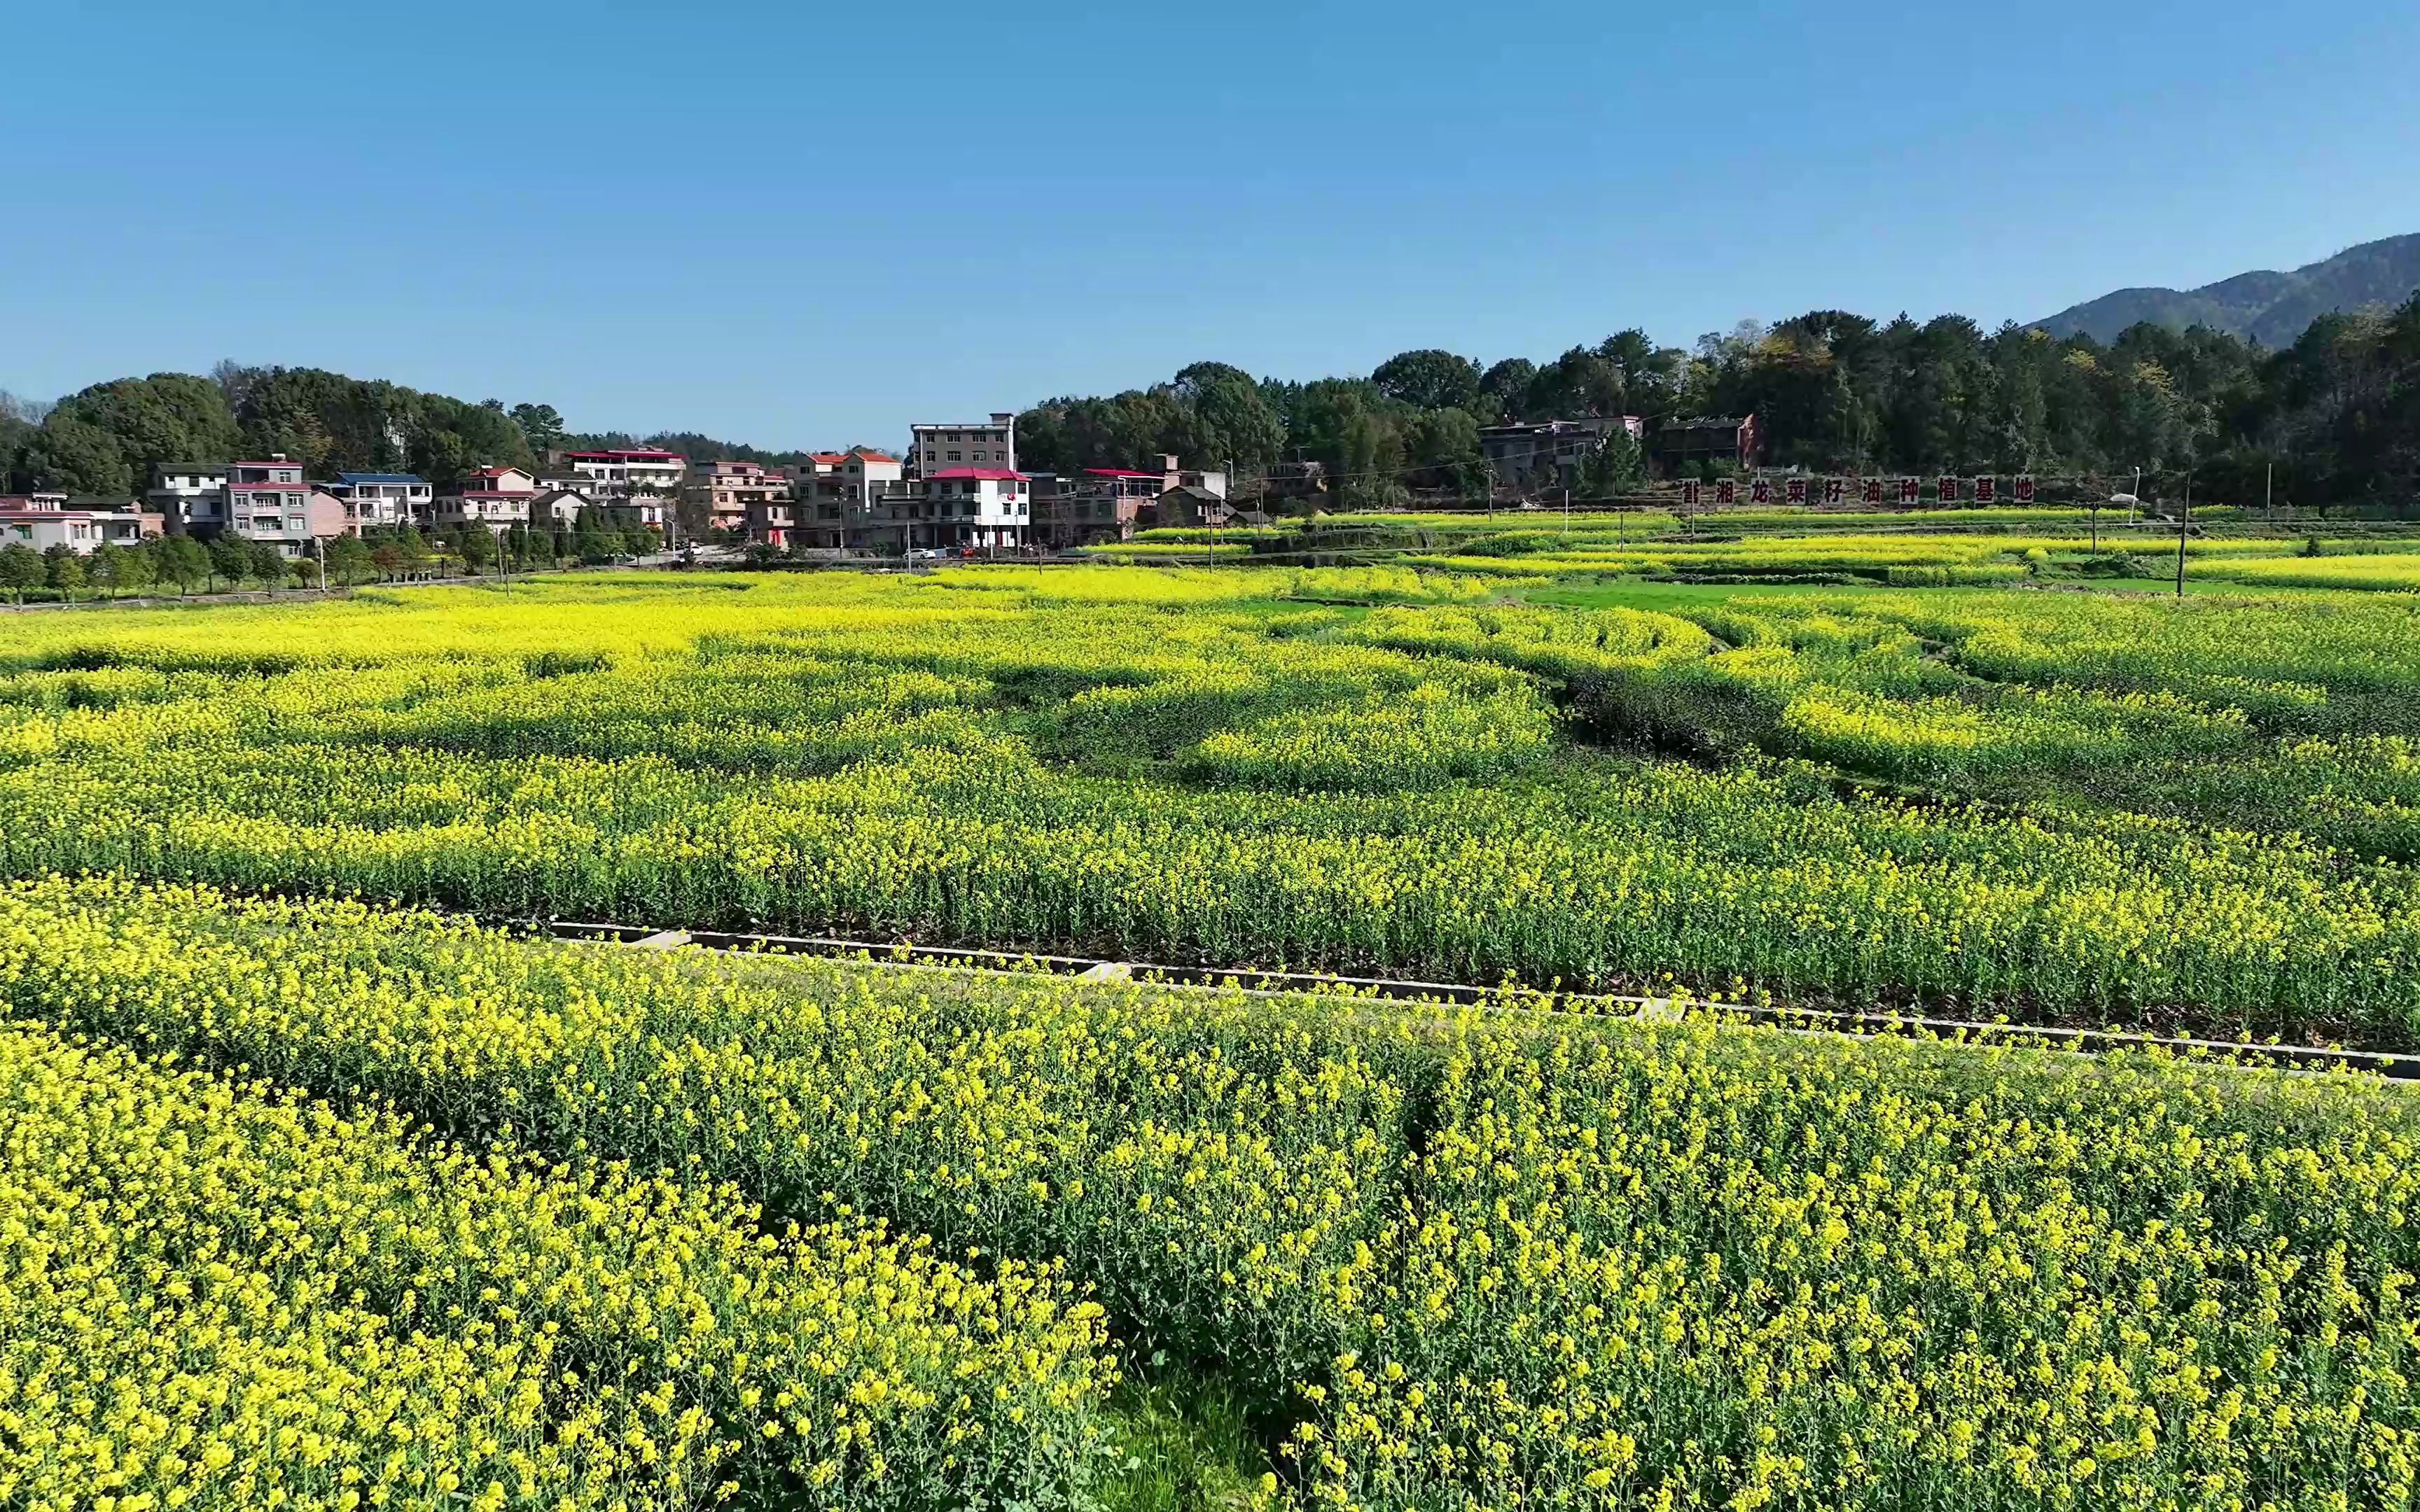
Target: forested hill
{"type": "Point", "coordinates": [2271, 308]}
{"type": "Point", "coordinates": [104, 441]}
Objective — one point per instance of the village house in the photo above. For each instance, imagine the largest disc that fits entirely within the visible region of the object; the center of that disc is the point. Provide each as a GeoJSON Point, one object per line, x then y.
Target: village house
{"type": "Point", "coordinates": [374, 501]}
{"type": "Point", "coordinates": [742, 497]}
{"type": "Point", "coordinates": [1550, 453]}
{"type": "Point", "coordinates": [42, 521]}
{"type": "Point", "coordinates": [847, 505]}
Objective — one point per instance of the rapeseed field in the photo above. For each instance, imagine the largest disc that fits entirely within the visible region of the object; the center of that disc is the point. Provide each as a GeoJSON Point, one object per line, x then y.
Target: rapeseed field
{"type": "Point", "coordinates": [328, 1181]}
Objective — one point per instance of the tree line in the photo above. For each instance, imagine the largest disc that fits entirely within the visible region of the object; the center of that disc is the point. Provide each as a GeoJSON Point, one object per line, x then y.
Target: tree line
{"type": "Point", "coordinates": [103, 442]}
{"type": "Point", "coordinates": [380, 554]}
{"type": "Point", "coordinates": [2335, 418]}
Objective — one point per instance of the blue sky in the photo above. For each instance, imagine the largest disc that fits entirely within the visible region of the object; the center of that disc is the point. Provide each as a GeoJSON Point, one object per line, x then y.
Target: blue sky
{"type": "Point", "coordinates": [799, 225]}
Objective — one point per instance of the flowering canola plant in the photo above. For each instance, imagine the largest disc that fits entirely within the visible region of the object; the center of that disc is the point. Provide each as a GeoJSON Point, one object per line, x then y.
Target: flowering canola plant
{"type": "Point", "coordinates": [214, 1293]}
{"type": "Point", "coordinates": [1465, 1257]}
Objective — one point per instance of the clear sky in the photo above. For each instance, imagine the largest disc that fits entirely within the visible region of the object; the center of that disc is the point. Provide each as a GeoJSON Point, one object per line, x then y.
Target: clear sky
{"type": "Point", "coordinates": [800, 224]}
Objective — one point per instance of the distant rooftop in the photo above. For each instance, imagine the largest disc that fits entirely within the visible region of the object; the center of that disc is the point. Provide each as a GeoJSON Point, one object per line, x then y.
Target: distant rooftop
{"type": "Point", "coordinates": [379, 477]}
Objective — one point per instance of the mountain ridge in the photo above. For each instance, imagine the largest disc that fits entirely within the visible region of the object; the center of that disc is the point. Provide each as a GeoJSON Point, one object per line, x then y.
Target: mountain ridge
{"type": "Point", "coordinates": [2264, 305]}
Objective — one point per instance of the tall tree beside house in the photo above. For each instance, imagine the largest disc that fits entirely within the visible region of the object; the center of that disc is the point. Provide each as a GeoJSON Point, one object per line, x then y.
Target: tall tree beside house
{"type": "Point", "coordinates": [349, 560]}
{"type": "Point", "coordinates": [1505, 389]}
{"type": "Point", "coordinates": [138, 567]}
{"type": "Point", "coordinates": [183, 560]}
{"type": "Point", "coordinates": [1441, 448]}
{"type": "Point", "coordinates": [1356, 432]}
{"type": "Point", "coordinates": [1428, 378]}
{"type": "Point", "coordinates": [106, 567]}
{"type": "Point", "coordinates": [77, 458]}
{"type": "Point", "coordinates": [541, 425]}
{"type": "Point", "coordinates": [20, 567]}
{"type": "Point", "coordinates": [1615, 467]}
{"type": "Point", "coordinates": [20, 421]}
{"type": "Point", "coordinates": [229, 558]}
{"type": "Point", "coordinates": [1229, 419]}
{"type": "Point", "coordinates": [477, 547]}
{"type": "Point", "coordinates": [63, 569]}
{"type": "Point", "coordinates": [1578, 383]}
{"type": "Point", "coordinates": [267, 565]}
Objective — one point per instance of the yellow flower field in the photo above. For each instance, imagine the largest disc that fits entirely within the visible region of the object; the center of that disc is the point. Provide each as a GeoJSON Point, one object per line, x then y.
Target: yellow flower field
{"type": "Point", "coordinates": [1456, 1257]}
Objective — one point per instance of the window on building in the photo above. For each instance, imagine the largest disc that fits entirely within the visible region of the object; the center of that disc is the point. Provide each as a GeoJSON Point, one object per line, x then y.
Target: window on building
{"type": "Point", "coordinates": [954, 456]}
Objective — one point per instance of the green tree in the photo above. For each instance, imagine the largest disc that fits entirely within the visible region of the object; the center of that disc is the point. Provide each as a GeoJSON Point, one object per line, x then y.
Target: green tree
{"type": "Point", "coordinates": [1231, 418]}
{"type": "Point", "coordinates": [78, 457]}
{"type": "Point", "coordinates": [267, 563]}
{"type": "Point", "coordinates": [411, 550]}
{"type": "Point", "coordinates": [20, 567]}
{"type": "Point", "coordinates": [478, 547]}
{"type": "Point", "coordinates": [163, 417]}
{"type": "Point", "coordinates": [541, 427]}
{"type": "Point", "coordinates": [1505, 388]}
{"type": "Point", "coordinates": [349, 560]}
{"type": "Point", "coordinates": [1347, 426]}
{"type": "Point", "coordinates": [63, 569]}
{"type": "Point", "coordinates": [106, 567]}
{"type": "Point", "coordinates": [1615, 467]}
{"type": "Point", "coordinates": [1577, 384]}
{"type": "Point", "coordinates": [1442, 445]}
{"type": "Point", "coordinates": [183, 560]}
{"type": "Point", "coordinates": [229, 557]}
{"type": "Point", "coordinates": [138, 567]}
{"type": "Point", "coordinates": [1430, 378]}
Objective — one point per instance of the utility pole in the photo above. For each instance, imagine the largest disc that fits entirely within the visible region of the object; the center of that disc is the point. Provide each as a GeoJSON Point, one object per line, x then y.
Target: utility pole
{"type": "Point", "coordinates": [320, 549]}
{"type": "Point", "coordinates": [2269, 493]}
{"type": "Point", "coordinates": [2184, 513]}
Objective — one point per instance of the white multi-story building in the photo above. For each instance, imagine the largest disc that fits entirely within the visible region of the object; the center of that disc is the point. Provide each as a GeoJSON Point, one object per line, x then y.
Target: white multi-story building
{"type": "Point", "coordinates": [989, 445]}
{"type": "Point", "coordinates": [78, 529]}
{"type": "Point", "coordinates": [968, 507]}
{"type": "Point", "coordinates": [183, 492]}
{"type": "Point", "coordinates": [615, 474]}
{"type": "Point", "coordinates": [499, 510]}
{"type": "Point", "coordinates": [375, 500]}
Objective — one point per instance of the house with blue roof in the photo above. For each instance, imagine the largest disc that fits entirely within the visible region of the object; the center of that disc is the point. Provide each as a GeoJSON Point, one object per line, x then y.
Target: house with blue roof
{"type": "Point", "coordinates": [374, 499]}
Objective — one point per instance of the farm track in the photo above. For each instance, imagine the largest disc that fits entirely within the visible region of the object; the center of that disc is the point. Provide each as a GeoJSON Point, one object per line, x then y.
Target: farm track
{"type": "Point", "coordinates": [1413, 992]}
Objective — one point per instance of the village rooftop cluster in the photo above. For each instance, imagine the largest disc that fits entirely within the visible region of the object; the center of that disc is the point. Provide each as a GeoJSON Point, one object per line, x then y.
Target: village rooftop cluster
{"type": "Point", "coordinates": [958, 487]}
